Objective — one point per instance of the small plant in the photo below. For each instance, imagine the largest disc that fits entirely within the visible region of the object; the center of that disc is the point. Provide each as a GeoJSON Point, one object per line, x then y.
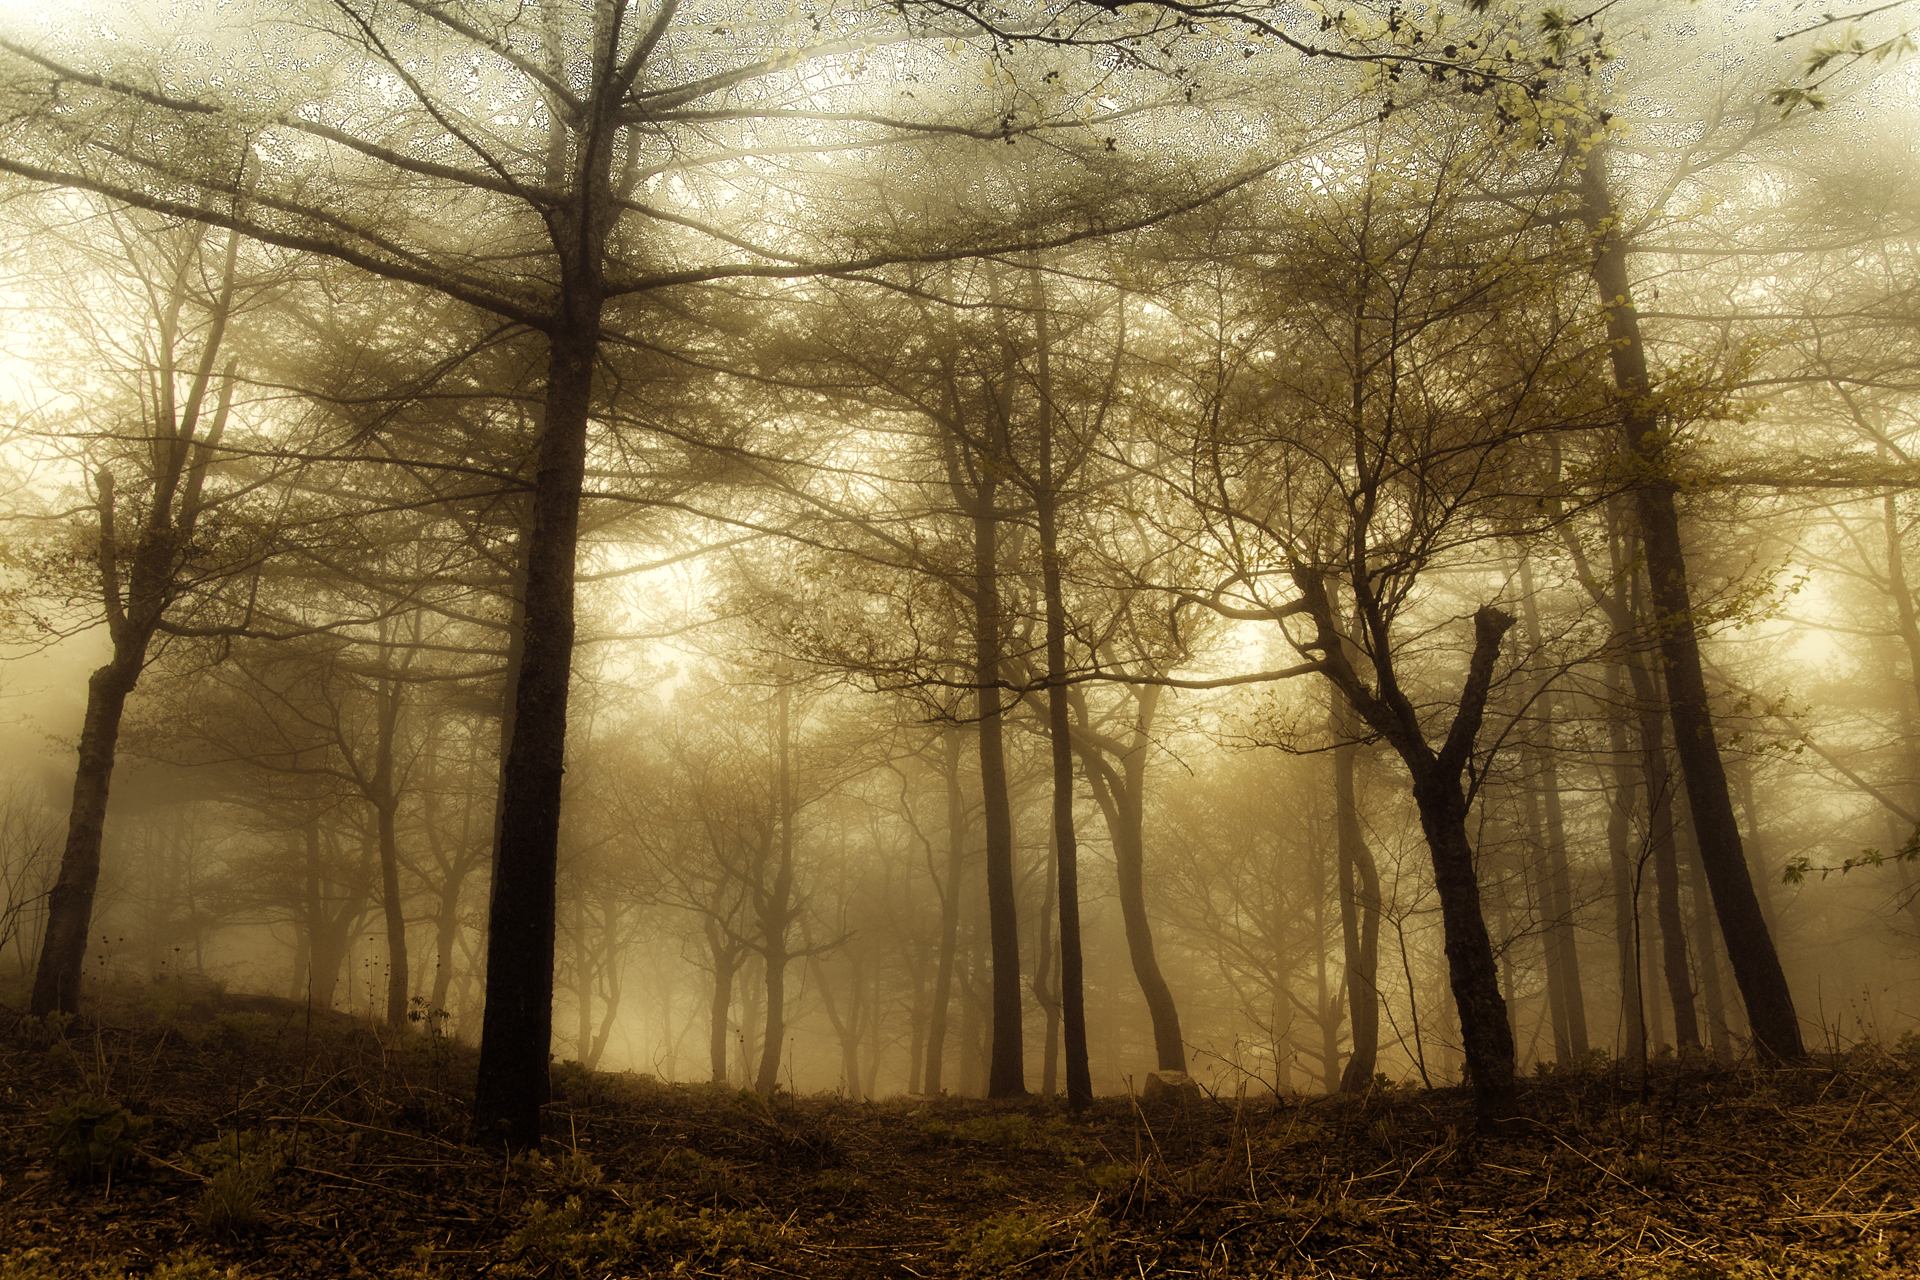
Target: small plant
{"type": "Point", "coordinates": [192, 1266]}
{"type": "Point", "coordinates": [90, 1135]}
{"type": "Point", "coordinates": [1002, 1242]}
{"type": "Point", "coordinates": [840, 1187]}
{"type": "Point", "coordinates": [1006, 1132]}
{"type": "Point", "coordinates": [574, 1170]}
{"type": "Point", "coordinates": [560, 1242]}
{"type": "Point", "coordinates": [29, 1264]}
{"type": "Point", "coordinates": [572, 1082]}
{"type": "Point", "coordinates": [1109, 1179]}
{"type": "Point", "coordinates": [992, 1182]}
{"type": "Point", "coordinates": [700, 1174]}
{"type": "Point", "coordinates": [241, 1165]}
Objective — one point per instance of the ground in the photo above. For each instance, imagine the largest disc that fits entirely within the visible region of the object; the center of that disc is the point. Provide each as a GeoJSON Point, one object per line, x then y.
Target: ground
{"type": "Point", "coordinates": [186, 1134]}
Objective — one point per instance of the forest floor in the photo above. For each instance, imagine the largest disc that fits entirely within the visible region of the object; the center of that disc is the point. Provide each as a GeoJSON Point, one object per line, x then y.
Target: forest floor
{"type": "Point", "coordinates": [194, 1135]}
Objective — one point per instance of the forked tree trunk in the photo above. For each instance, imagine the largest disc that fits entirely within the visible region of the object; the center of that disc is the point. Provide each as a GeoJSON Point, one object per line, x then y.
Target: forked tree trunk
{"type": "Point", "coordinates": [1756, 965]}
{"type": "Point", "coordinates": [1439, 793]}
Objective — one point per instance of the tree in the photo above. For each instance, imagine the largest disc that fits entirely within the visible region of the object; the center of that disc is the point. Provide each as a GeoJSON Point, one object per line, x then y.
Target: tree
{"type": "Point", "coordinates": [151, 558]}
{"type": "Point", "coordinates": [1756, 965]}
{"type": "Point", "coordinates": [1356, 446]}
{"type": "Point", "coordinates": [550, 155]}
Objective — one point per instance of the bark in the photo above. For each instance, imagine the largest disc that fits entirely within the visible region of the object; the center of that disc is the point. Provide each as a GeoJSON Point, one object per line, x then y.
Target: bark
{"type": "Point", "coordinates": [63, 948]}
{"type": "Point", "coordinates": [949, 914]}
{"type": "Point", "coordinates": [1563, 952]}
{"type": "Point", "coordinates": [1359, 927]}
{"type": "Point", "coordinates": [726, 961]}
{"type": "Point", "coordinates": [1121, 794]}
{"type": "Point", "coordinates": [1073, 1009]}
{"type": "Point", "coordinates": [1756, 964]}
{"type": "Point", "coordinates": [386, 813]}
{"type": "Point", "coordinates": [517, 1028]}
{"type": "Point", "coordinates": [1006, 1072]}
{"type": "Point", "coordinates": [1626, 924]}
{"type": "Point", "coordinates": [1045, 989]}
{"type": "Point", "coordinates": [775, 908]}
{"type": "Point", "coordinates": [1661, 847]}
{"type": "Point", "coordinates": [1439, 793]}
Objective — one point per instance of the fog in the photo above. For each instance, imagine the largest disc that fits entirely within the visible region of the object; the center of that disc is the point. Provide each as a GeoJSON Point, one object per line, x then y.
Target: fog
{"type": "Point", "coordinates": [880, 550]}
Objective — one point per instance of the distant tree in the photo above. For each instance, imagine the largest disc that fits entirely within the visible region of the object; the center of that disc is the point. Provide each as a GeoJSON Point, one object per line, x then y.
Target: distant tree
{"type": "Point", "coordinates": [150, 408]}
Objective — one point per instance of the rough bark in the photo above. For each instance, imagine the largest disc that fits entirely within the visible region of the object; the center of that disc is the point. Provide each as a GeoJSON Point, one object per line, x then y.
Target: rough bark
{"type": "Point", "coordinates": [1756, 964]}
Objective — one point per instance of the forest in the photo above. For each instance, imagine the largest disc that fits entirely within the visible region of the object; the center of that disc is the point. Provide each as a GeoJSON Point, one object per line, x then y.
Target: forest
{"type": "Point", "coordinates": [851, 551]}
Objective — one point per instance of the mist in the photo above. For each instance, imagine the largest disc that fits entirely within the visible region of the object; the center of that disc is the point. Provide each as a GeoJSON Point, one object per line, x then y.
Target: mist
{"type": "Point", "coordinates": [946, 552]}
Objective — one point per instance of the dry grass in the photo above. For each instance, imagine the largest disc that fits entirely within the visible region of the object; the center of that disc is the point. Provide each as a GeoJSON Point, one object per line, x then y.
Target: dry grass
{"type": "Point", "coordinates": [1805, 1172]}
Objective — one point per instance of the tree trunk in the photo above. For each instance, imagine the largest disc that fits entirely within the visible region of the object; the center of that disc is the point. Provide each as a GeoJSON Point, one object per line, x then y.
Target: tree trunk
{"type": "Point", "coordinates": [1121, 795]}
{"type": "Point", "coordinates": [63, 948]}
{"type": "Point", "coordinates": [134, 610]}
{"type": "Point", "coordinates": [725, 961]}
{"type": "Point", "coordinates": [1066, 848]}
{"type": "Point", "coordinates": [1486, 1032]}
{"type": "Point", "coordinates": [1756, 965]}
{"type": "Point", "coordinates": [517, 1031]}
{"type": "Point", "coordinates": [776, 915]}
{"type": "Point", "coordinates": [386, 807]}
{"type": "Point", "coordinates": [1674, 963]}
{"type": "Point", "coordinates": [1006, 1073]}
{"type": "Point", "coordinates": [1626, 927]}
{"type": "Point", "coordinates": [949, 913]}
{"type": "Point", "coordinates": [1359, 925]}
{"type": "Point", "coordinates": [1045, 991]}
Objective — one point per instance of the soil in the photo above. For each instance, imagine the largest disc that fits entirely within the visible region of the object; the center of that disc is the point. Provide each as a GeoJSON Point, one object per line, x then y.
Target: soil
{"type": "Point", "coordinates": [282, 1143]}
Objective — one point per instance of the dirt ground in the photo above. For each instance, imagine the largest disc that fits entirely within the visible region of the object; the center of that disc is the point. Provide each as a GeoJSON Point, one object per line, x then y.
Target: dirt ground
{"type": "Point", "coordinates": [188, 1134]}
